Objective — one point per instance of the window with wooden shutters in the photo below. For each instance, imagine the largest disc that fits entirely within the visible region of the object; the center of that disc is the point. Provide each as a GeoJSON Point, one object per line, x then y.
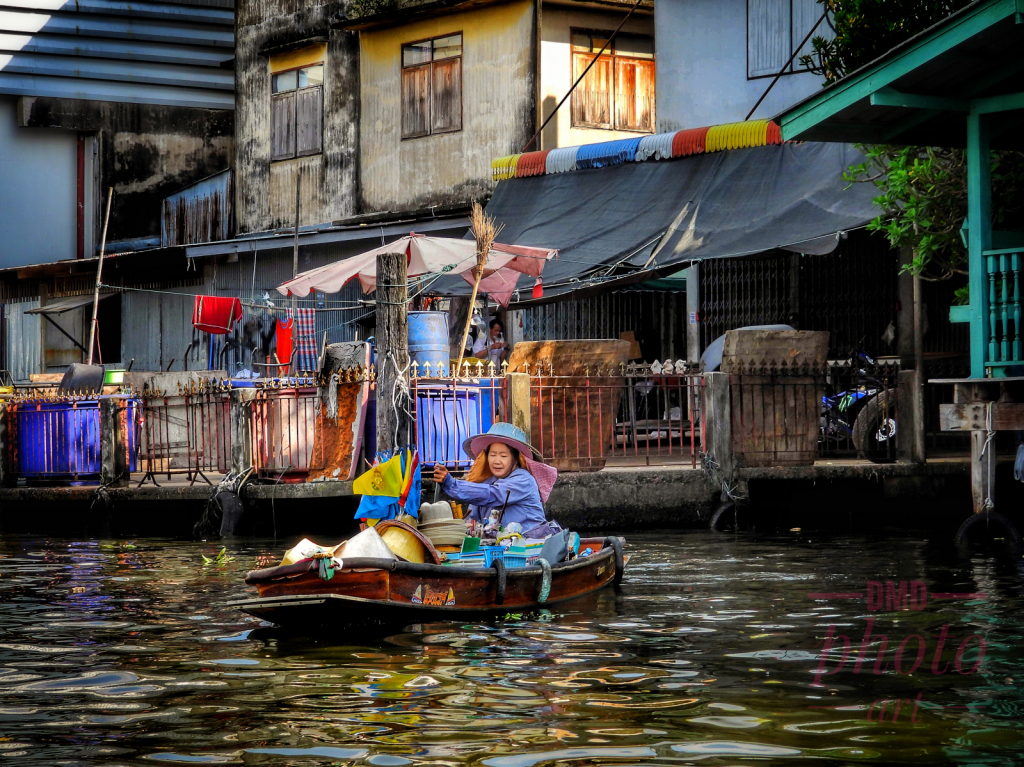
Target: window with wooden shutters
{"type": "Point", "coordinates": [618, 91]}
{"type": "Point", "coordinates": [297, 113]}
{"type": "Point", "coordinates": [432, 86]}
{"type": "Point", "coordinates": [775, 28]}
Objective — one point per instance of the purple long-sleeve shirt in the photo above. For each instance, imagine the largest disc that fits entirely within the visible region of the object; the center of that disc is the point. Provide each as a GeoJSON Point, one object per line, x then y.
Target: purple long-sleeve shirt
{"type": "Point", "coordinates": [524, 504]}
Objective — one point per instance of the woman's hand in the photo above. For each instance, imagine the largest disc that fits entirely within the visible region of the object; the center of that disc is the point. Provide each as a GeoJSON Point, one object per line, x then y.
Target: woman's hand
{"type": "Point", "coordinates": [440, 472]}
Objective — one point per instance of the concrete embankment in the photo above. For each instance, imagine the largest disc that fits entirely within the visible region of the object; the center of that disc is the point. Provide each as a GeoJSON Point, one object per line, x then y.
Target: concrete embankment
{"type": "Point", "coordinates": [848, 494]}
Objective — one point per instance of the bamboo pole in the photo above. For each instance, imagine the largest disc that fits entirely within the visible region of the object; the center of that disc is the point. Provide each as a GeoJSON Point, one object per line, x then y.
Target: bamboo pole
{"type": "Point", "coordinates": [485, 232]}
{"type": "Point", "coordinates": [93, 328]}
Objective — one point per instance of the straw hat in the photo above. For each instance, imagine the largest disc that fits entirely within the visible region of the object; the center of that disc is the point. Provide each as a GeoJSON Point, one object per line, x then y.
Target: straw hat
{"type": "Point", "coordinates": [446, 532]}
{"type": "Point", "coordinates": [435, 512]}
{"type": "Point", "coordinates": [502, 432]}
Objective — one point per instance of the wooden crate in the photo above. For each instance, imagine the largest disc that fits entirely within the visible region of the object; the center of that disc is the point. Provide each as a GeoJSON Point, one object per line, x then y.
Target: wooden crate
{"type": "Point", "coordinates": [789, 348]}
{"type": "Point", "coordinates": [775, 419]}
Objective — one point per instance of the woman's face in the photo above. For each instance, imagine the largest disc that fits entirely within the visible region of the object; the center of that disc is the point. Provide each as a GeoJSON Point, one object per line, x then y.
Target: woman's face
{"type": "Point", "coordinates": [500, 460]}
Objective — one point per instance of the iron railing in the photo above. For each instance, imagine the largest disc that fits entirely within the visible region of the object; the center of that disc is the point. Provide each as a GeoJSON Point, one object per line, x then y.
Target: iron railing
{"type": "Point", "coordinates": [284, 428]}
{"type": "Point", "coordinates": [186, 432]}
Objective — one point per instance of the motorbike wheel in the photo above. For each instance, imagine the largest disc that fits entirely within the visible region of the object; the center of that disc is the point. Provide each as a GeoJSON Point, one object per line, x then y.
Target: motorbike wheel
{"type": "Point", "coordinates": [875, 430]}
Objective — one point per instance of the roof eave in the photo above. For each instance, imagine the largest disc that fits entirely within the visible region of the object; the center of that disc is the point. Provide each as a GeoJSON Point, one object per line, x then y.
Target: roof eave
{"type": "Point", "coordinates": [801, 120]}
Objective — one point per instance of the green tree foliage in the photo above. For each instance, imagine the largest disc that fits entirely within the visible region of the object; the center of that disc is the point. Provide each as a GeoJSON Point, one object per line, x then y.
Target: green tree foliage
{"type": "Point", "coordinates": [922, 191]}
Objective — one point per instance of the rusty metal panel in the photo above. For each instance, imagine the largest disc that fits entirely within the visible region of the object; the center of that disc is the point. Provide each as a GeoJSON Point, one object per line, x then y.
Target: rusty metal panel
{"type": "Point", "coordinates": [24, 354]}
{"type": "Point", "coordinates": [198, 213]}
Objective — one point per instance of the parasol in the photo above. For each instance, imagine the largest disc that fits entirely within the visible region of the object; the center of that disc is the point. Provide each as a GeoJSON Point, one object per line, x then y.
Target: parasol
{"type": "Point", "coordinates": [430, 255]}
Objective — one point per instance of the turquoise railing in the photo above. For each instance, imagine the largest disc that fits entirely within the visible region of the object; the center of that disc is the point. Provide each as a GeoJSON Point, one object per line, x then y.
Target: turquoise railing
{"type": "Point", "coordinates": [1002, 268]}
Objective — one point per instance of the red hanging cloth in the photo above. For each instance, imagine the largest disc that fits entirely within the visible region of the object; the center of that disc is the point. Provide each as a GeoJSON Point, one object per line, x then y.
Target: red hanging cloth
{"type": "Point", "coordinates": [216, 314]}
{"type": "Point", "coordinates": [285, 341]}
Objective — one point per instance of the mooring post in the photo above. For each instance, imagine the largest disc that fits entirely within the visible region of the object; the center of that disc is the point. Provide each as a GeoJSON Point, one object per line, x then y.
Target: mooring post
{"type": "Point", "coordinates": [113, 451]}
{"type": "Point", "coordinates": [393, 422]}
{"type": "Point", "coordinates": [241, 430]}
{"type": "Point", "coordinates": [718, 416]}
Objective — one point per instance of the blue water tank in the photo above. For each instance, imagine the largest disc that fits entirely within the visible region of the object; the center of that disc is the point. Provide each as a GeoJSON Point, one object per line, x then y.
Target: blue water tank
{"type": "Point", "coordinates": [428, 340]}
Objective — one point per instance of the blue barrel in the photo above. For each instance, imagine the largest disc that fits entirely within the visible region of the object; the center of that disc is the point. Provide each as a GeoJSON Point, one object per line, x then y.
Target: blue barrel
{"type": "Point", "coordinates": [428, 340]}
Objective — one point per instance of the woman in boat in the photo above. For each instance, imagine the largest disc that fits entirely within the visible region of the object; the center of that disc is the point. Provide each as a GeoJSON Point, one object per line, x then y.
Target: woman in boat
{"type": "Point", "coordinates": [507, 473]}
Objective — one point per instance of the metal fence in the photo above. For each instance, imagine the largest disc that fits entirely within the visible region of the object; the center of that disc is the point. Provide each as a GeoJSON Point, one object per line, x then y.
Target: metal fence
{"type": "Point", "coordinates": [186, 432]}
{"type": "Point", "coordinates": [284, 428]}
{"type": "Point", "coordinates": [629, 415]}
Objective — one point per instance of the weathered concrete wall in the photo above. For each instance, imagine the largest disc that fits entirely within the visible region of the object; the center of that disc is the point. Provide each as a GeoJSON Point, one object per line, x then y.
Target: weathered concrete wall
{"type": "Point", "coordinates": [556, 77]}
{"type": "Point", "coordinates": [37, 198]}
{"type": "Point", "coordinates": [632, 499]}
{"type": "Point", "coordinates": [498, 109]}
{"type": "Point", "coordinates": [265, 191]}
{"type": "Point", "coordinates": [702, 67]}
{"type": "Point", "coordinates": [147, 152]}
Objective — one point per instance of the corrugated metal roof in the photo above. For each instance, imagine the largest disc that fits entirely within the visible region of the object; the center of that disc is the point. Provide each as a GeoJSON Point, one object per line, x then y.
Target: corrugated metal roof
{"type": "Point", "coordinates": [67, 304]}
{"type": "Point", "coordinates": [113, 50]}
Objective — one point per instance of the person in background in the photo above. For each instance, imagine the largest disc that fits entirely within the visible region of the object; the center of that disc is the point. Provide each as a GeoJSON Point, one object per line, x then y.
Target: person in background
{"type": "Point", "coordinates": [505, 475]}
{"type": "Point", "coordinates": [491, 346]}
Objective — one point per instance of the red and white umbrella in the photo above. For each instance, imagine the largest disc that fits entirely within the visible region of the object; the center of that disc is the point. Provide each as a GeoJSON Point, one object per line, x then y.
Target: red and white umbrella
{"type": "Point", "coordinates": [429, 255]}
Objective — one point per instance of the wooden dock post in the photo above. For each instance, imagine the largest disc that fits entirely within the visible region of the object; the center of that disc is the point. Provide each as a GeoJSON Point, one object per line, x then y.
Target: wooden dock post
{"type": "Point", "coordinates": [113, 451]}
{"type": "Point", "coordinates": [718, 416]}
{"type": "Point", "coordinates": [519, 402]}
{"type": "Point", "coordinates": [393, 422]}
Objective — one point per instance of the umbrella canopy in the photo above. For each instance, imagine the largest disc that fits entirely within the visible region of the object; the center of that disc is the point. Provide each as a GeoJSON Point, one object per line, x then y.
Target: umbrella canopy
{"type": "Point", "coordinates": [429, 255]}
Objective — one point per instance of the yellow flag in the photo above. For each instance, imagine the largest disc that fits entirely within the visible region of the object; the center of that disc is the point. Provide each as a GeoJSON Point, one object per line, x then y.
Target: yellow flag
{"type": "Point", "coordinates": [383, 479]}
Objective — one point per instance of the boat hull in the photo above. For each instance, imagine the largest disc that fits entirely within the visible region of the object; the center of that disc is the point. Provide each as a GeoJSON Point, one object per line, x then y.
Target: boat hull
{"type": "Point", "coordinates": [403, 592]}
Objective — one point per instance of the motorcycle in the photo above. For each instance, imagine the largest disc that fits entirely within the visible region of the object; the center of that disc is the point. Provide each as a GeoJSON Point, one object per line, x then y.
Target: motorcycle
{"type": "Point", "coordinates": [865, 414]}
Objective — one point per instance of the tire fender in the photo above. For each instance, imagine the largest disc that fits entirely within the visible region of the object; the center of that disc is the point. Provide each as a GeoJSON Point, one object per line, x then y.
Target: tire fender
{"type": "Point", "coordinates": [499, 597]}
{"type": "Point", "coordinates": [722, 510]}
{"type": "Point", "coordinates": [615, 544]}
{"type": "Point", "coordinates": [545, 580]}
{"type": "Point", "coordinates": [988, 519]}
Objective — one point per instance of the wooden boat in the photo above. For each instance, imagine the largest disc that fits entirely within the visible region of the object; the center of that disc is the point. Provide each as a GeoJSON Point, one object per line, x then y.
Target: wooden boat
{"type": "Point", "coordinates": [385, 591]}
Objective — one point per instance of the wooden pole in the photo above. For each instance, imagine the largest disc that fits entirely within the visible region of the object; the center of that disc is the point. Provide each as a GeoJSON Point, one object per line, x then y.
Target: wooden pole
{"type": "Point", "coordinates": [295, 240]}
{"type": "Point", "coordinates": [918, 437]}
{"type": "Point", "coordinates": [469, 319]}
{"type": "Point", "coordinates": [93, 328]}
{"type": "Point", "coordinates": [393, 423]}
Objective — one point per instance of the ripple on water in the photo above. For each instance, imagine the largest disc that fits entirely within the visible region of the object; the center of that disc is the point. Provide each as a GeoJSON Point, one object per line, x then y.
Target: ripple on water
{"type": "Point", "coordinates": [672, 669]}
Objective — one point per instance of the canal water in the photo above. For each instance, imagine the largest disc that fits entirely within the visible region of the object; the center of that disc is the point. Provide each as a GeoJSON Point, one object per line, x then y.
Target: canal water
{"type": "Point", "coordinates": [124, 653]}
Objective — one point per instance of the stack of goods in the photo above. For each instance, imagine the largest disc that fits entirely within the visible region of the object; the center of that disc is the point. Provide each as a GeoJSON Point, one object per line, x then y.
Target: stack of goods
{"type": "Point", "coordinates": [438, 523]}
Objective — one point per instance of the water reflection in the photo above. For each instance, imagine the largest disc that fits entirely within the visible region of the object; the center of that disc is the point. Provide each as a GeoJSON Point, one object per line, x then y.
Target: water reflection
{"type": "Point", "coordinates": [123, 653]}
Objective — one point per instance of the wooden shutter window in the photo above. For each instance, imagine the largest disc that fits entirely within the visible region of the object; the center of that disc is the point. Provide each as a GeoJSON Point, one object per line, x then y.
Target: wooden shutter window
{"type": "Point", "coordinates": [768, 36]}
{"type": "Point", "coordinates": [634, 94]}
{"type": "Point", "coordinates": [415, 104]}
{"type": "Point", "coordinates": [446, 96]}
{"type": "Point", "coordinates": [592, 99]}
{"type": "Point", "coordinates": [309, 120]}
{"type": "Point", "coordinates": [282, 126]}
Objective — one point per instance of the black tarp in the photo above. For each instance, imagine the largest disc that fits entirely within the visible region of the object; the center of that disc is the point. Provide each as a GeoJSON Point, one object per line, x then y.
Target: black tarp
{"type": "Point", "coordinates": [730, 203]}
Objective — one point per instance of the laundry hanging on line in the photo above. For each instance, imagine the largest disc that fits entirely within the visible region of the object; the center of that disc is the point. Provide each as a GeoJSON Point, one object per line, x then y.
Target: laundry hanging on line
{"type": "Point", "coordinates": [285, 335]}
{"type": "Point", "coordinates": [305, 339]}
{"type": "Point", "coordinates": [216, 314]}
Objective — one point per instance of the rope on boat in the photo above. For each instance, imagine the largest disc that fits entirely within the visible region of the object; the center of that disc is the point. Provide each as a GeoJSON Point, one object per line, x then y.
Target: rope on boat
{"type": "Point", "coordinates": [545, 581]}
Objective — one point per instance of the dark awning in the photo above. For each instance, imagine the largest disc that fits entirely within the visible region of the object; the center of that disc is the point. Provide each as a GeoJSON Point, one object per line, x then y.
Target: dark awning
{"type": "Point", "coordinates": [658, 213]}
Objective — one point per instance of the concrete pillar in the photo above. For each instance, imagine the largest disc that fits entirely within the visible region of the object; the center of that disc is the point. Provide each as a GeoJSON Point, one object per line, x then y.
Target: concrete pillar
{"type": "Point", "coordinates": [693, 313]}
{"type": "Point", "coordinates": [241, 430]}
{"type": "Point", "coordinates": [113, 450]}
